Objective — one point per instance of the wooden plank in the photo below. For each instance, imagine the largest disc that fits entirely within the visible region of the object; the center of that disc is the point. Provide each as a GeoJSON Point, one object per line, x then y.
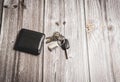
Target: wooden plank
{"type": "Point", "coordinates": [30, 66]}
{"type": "Point", "coordinates": [98, 41]}
{"type": "Point", "coordinates": [7, 39]}
{"type": "Point", "coordinates": [1, 9]}
{"type": "Point", "coordinates": [66, 17]}
{"type": "Point", "coordinates": [113, 25]}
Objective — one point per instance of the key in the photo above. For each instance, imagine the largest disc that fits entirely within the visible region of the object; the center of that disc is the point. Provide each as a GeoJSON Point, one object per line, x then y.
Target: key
{"type": "Point", "coordinates": [61, 38]}
{"type": "Point", "coordinates": [54, 37]}
{"type": "Point", "coordinates": [53, 45]}
{"type": "Point", "coordinates": [64, 45]}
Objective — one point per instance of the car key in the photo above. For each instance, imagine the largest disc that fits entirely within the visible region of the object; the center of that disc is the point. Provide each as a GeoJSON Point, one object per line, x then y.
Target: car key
{"type": "Point", "coordinates": [64, 44]}
{"type": "Point", "coordinates": [52, 40]}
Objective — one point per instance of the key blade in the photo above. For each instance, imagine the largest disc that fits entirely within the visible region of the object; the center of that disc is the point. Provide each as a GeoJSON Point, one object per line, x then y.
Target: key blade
{"type": "Point", "coordinates": [66, 54]}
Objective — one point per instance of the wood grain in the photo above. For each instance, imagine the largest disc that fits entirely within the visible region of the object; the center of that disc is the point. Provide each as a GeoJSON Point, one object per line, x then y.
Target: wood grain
{"type": "Point", "coordinates": [30, 66]}
{"type": "Point", "coordinates": [98, 41]}
{"type": "Point", "coordinates": [54, 61]}
{"type": "Point", "coordinates": [1, 11]}
{"type": "Point", "coordinates": [66, 17]}
{"type": "Point", "coordinates": [7, 38]}
{"type": "Point", "coordinates": [91, 26]}
{"type": "Point", "coordinates": [113, 25]}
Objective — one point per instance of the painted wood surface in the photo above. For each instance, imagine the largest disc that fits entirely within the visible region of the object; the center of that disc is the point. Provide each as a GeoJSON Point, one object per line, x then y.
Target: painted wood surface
{"type": "Point", "coordinates": [98, 42]}
{"type": "Point", "coordinates": [1, 7]}
{"type": "Point", "coordinates": [112, 14]}
{"type": "Point", "coordinates": [70, 18]}
{"type": "Point", "coordinates": [91, 26]}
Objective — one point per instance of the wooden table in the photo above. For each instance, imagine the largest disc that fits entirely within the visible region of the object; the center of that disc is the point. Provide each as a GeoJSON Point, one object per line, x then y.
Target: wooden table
{"type": "Point", "coordinates": [92, 27]}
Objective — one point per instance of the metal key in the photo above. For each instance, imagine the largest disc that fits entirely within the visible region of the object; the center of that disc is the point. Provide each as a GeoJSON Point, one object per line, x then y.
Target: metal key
{"type": "Point", "coordinates": [53, 37]}
{"type": "Point", "coordinates": [64, 45]}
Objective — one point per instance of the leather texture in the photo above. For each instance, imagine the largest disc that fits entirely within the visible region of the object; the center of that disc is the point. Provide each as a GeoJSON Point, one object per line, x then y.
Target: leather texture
{"type": "Point", "coordinates": [29, 41]}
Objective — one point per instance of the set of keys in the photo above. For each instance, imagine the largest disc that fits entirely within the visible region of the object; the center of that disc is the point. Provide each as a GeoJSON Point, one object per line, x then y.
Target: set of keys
{"type": "Point", "coordinates": [58, 40]}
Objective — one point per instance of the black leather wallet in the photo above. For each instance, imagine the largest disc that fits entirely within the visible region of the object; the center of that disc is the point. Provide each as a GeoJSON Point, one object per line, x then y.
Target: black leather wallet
{"type": "Point", "coordinates": [29, 41]}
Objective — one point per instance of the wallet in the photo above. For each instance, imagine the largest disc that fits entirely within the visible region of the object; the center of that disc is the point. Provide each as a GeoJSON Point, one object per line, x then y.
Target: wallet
{"type": "Point", "coordinates": [29, 41]}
